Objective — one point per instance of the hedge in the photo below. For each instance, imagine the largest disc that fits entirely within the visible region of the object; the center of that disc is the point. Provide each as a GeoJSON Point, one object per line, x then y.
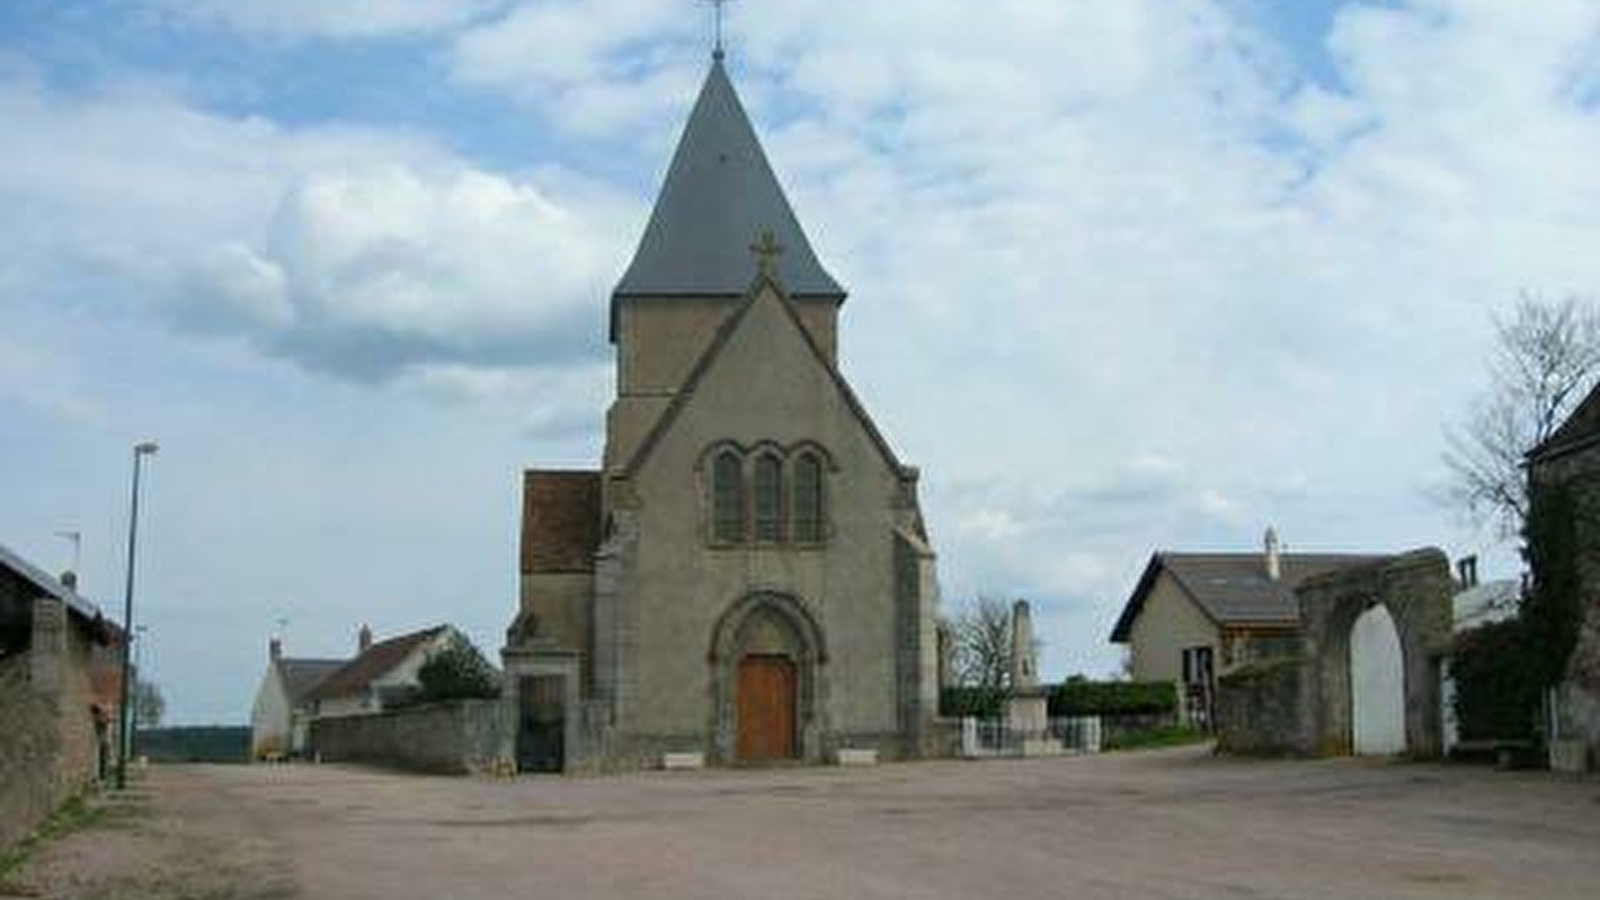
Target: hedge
{"type": "Point", "coordinates": [984, 703]}
{"type": "Point", "coordinates": [194, 743]}
{"type": "Point", "coordinates": [1081, 697]}
{"type": "Point", "coordinates": [1076, 697]}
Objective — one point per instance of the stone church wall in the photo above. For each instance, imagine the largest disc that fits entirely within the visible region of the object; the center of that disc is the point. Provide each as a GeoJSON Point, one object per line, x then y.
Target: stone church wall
{"type": "Point", "coordinates": [765, 386]}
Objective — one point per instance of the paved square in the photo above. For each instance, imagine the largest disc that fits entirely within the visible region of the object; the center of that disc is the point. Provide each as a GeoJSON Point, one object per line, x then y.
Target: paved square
{"type": "Point", "coordinates": [1137, 825]}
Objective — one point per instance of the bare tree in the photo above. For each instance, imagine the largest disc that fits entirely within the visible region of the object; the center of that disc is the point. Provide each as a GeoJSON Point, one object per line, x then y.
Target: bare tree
{"type": "Point", "coordinates": [981, 633]}
{"type": "Point", "coordinates": [149, 706]}
{"type": "Point", "coordinates": [1547, 356]}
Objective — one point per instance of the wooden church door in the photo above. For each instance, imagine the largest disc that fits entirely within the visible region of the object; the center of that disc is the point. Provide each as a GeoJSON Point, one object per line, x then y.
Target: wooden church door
{"type": "Point", "coordinates": [766, 707]}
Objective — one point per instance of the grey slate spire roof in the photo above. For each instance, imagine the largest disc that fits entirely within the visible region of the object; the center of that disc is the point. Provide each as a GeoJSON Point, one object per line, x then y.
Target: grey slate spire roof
{"type": "Point", "coordinates": [719, 195]}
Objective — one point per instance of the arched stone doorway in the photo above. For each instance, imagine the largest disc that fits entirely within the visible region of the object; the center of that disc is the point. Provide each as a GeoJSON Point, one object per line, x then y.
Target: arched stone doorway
{"type": "Point", "coordinates": [1377, 685]}
{"type": "Point", "coordinates": [768, 671]}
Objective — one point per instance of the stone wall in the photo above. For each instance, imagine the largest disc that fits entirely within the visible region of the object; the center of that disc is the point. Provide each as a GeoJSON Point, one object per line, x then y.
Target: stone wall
{"type": "Point", "coordinates": [458, 737]}
{"type": "Point", "coordinates": [49, 745]}
{"type": "Point", "coordinates": [1258, 708]}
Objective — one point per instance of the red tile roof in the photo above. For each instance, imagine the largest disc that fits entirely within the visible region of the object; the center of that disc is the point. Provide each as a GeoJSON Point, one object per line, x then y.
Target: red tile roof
{"type": "Point", "coordinates": [560, 521]}
{"type": "Point", "coordinates": [358, 674]}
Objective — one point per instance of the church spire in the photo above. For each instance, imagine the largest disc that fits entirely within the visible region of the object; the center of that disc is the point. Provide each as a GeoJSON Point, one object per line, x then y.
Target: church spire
{"type": "Point", "coordinates": [719, 193]}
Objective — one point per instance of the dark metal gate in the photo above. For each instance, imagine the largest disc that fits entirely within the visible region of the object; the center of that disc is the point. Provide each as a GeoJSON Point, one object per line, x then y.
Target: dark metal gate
{"type": "Point", "coordinates": [541, 724]}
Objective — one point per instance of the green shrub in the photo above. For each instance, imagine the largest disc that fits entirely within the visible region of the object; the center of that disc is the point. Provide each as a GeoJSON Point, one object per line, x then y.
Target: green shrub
{"type": "Point", "coordinates": [1498, 692]}
{"type": "Point", "coordinates": [982, 702]}
{"type": "Point", "coordinates": [458, 671]}
{"type": "Point", "coordinates": [1078, 696]}
{"type": "Point", "coordinates": [1551, 613]}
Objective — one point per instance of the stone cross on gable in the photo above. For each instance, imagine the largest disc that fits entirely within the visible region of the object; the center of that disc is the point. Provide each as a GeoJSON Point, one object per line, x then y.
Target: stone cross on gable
{"type": "Point", "coordinates": [767, 250]}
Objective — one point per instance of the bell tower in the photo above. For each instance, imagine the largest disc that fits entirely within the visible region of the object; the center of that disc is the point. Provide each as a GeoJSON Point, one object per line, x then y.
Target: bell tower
{"type": "Point", "coordinates": [694, 262]}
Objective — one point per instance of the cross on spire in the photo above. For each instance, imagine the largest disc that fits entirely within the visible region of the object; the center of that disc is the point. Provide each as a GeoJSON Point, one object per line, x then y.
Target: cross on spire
{"type": "Point", "coordinates": [716, 6]}
{"type": "Point", "coordinates": [767, 249]}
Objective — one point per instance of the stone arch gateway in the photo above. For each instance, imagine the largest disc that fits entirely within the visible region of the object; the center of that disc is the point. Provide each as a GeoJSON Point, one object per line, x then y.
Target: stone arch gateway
{"type": "Point", "coordinates": [1366, 678]}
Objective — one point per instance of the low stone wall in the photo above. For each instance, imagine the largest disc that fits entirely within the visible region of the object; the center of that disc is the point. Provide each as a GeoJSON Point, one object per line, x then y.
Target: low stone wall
{"type": "Point", "coordinates": [1114, 728]}
{"type": "Point", "coordinates": [1258, 708]}
{"type": "Point", "coordinates": [459, 737]}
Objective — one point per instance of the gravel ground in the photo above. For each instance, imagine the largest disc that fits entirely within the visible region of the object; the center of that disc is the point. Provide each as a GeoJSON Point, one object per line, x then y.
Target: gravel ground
{"type": "Point", "coordinates": [1176, 823]}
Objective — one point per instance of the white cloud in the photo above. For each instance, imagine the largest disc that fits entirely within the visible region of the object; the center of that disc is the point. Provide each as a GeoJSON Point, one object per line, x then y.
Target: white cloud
{"type": "Point", "coordinates": [358, 252]}
{"type": "Point", "coordinates": [1169, 288]}
{"type": "Point", "coordinates": [341, 19]}
{"type": "Point", "coordinates": [595, 68]}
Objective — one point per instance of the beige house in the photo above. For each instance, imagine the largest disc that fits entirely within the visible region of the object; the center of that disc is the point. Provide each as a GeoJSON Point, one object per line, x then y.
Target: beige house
{"type": "Point", "coordinates": [1194, 616]}
{"type": "Point", "coordinates": [746, 574]}
{"type": "Point", "coordinates": [280, 718]}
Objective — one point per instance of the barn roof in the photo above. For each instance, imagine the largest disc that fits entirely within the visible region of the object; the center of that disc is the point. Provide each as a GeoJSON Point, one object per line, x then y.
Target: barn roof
{"type": "Point", "coordinates": [48, 585]}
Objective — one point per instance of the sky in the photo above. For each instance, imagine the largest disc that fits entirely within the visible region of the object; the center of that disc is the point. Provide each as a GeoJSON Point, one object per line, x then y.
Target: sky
{"type": "Point", "coordinates": [1124, 275]}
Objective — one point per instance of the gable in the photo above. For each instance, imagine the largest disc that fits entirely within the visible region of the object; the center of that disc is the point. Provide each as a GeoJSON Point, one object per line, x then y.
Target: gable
{"type": "Point", "coordinates": [1580, 428]}
{"type": "Point", "coordinates": [1160, 594]}
{"type": "Point", "coordinates": [764, 377]}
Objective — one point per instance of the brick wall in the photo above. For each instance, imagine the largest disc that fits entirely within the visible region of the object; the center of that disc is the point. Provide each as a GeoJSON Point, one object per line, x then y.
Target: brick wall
{"type": "Point", "coordinates": [457, 738]}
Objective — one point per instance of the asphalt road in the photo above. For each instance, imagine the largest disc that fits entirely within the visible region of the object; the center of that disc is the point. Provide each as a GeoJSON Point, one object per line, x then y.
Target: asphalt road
{"type": "Point", "coordinates": [1132, 825]}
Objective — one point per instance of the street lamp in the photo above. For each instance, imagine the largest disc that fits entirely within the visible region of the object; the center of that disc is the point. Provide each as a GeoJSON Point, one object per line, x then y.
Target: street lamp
{"type": "Point", "coordinates": [140, 451]}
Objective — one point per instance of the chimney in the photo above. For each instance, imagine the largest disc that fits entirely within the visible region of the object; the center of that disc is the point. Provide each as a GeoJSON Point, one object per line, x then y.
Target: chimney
{"type": "Point", "coordinates": [364, 639]}
{"type": "Point", "coordinates": [1467, 571]}
{"type": "Point", "coordinates": [69, 580]}
{"type": "Point", "coordinates": [274, 649]}
{"type": "Point", "coordinates": [1274, 561]}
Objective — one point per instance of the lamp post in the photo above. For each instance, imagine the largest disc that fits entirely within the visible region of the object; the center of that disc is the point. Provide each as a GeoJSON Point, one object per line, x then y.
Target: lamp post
{"type": "Point", "coordinates": [140, 451]}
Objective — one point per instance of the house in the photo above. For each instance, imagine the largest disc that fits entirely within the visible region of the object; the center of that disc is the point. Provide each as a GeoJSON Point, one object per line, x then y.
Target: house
{"type": "Point", "coordinates": [1570, 459]}
{"type": "Point", "coordinates": [380, 675]}
{"type": "Point", "coordinates": [60, 688]}
{"type": "Point", "coordinates": [280, 718]}
{"type": "Point", "coordinates": [1194, 616]}
{"type": "Point", "coordinates": [746, 573]}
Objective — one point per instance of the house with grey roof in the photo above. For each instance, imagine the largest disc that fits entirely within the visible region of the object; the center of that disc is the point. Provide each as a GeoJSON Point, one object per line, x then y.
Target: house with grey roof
{"type": "Point", "coordinates": [1194, 616]}
{"type": "Point", "coordinates": [280, 718]}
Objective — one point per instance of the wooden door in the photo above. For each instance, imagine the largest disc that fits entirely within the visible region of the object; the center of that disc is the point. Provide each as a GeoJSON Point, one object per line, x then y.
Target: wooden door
{"type": "Point", "coordinates": [766, 707]}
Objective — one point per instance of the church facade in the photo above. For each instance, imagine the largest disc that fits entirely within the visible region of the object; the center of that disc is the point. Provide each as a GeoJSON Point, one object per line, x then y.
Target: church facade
{"type": "Point", "coordinates": [747, 574]}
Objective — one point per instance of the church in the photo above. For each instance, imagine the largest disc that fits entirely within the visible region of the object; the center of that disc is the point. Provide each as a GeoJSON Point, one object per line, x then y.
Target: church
{"type": "Point", "coordinates": [747, 574]}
